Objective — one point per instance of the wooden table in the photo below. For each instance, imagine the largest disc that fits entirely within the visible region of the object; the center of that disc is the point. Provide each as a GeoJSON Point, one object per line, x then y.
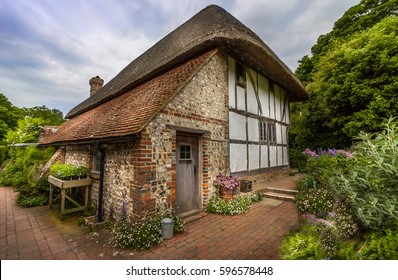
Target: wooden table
{"type": "Point", "coordinates": [65, 185]}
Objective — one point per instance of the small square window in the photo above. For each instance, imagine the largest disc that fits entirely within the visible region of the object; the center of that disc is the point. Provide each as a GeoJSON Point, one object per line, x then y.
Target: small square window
{"type": "Point", "coordinates": [185, 152]}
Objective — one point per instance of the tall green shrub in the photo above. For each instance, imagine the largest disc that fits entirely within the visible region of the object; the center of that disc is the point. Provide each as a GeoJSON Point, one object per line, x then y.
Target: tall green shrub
{"type": "Point", "coordinates": [371, 184]}
{"type": "Point", "coordinates": [23, 172]}
{"type": "Point", "coordinates": [3, 152]}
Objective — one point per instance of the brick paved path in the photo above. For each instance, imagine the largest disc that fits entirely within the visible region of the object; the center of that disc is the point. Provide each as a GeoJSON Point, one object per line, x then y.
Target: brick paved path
{"type": "Point", "coordinates": [37, 233]}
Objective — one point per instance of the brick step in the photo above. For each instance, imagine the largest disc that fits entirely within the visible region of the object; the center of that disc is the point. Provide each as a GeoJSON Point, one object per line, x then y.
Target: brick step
{"type": "Point", "coordinates": [279, 196]}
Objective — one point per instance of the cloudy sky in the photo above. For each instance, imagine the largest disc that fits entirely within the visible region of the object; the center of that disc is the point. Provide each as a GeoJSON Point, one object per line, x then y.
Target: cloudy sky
{"type": "Point", "coordinates": [49, 49]}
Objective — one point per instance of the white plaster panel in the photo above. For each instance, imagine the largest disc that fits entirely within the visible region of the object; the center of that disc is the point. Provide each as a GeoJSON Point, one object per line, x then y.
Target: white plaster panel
{"type": "Point", "coordinates": [282, 97]}
{"type": "Point", "coordinates": [285, 156]}
{"type": "Point", "coordinates": [252, 105]}
{"type": "Point", "coordinates": [231, 81]}
{"type": "Point", "coordinates": [253, 129]}
{"type": "Point", "coordinates": [284, 135]}
{"type": "Point", "coordinates": [238, 157]}
{"type": "Point", "coordinates": [287, 113]}
{"type": "Point", "coordinates": [237, 126]}
{"type": "Point", "coordinates": [280, 156]}
{"type": "Point", "coordinates": [254, 157]}
{"type": "Point", "coordinates": [278, 133]}
{"type": "Point", "coordinates": [241, 98]}
{"type": "Point", "coordinates": [277, 103]}
{"type": "Point", "coordinates": [263, 94]}
{"type": "Point", "coordinates": [264, 156]}
{"type": "Point", "coordinates": [272, 105]}
{"type": "Point", "coordinates": [272, 156]}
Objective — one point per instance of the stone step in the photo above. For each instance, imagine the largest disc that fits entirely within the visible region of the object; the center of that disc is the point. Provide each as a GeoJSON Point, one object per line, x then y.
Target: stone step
{"type": "Point", "coordinates": [192, 216]}
{"type": "Point", "coordinates": [279, 196]}
{"type": "Point", "coordinates": [280, 190]}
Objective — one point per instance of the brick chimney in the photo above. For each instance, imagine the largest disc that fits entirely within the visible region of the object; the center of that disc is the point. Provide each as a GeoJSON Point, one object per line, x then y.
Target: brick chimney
{"type": "Point", "coordinates": [95, 84]}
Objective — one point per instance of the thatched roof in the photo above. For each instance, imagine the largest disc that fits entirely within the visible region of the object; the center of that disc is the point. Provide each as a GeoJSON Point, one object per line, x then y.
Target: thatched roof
{"type": "Point", "coordinates": [128, 114]}
{"type": "Point", "coordinates": [213, 27]}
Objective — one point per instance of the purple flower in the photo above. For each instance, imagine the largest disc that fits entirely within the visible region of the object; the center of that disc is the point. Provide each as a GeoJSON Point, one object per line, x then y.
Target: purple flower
{"type": "Point", "coordinates": [313, 220]}
{"type": "Point", "coordinates": [308, 152]}
{"type": "Point", "coordinates": [124, 208]}
{"type": "Point", "coordinates": [224, 181]}
{"type": "Point", "coordinates": [332, 214]}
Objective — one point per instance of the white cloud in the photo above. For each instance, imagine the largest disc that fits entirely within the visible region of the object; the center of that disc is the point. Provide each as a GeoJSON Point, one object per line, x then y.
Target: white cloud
{"type": "Point", "coordinates": [53, 48]}
{"type": "Point", "coordinates": [291, 27]}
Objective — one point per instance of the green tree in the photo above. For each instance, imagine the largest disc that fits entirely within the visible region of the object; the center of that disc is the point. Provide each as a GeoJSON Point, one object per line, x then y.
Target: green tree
{"type": "Point", "coordinates": [356, 19]}
{"type": "Point", "coordinates": [50, 116]}
{"type": "Point", "coordinates": [352, 87]}
{"type": "Point", "coordinates": [28, 131]}
{"type": "Point", "coordinates": [9, 116]}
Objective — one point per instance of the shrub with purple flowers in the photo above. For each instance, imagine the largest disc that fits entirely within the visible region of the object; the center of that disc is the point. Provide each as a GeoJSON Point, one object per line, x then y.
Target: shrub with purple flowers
{"type": "Point", "coordinates": [324, 163]}
{"type": "Point", "coordinates": [328, 233]}
{"type": "Point", "coordinates": [370, 185]}
{"type": "Point", "coordinates": [331, 152]}
{"type": "Point", "coordinates": [361, 188]}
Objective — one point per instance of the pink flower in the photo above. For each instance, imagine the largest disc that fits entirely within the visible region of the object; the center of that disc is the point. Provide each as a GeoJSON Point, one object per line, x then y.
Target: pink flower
{"type": "Point", "coordinates": [224, 181]}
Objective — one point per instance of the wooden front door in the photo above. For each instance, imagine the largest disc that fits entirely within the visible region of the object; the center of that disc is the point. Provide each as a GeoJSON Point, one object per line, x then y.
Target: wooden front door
{"type": "Point", "coordinates": [187, 191]}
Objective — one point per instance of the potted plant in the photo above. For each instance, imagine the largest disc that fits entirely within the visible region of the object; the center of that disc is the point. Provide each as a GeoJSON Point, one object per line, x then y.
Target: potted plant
{"type": "Point", "coordinates": [82, 171]}
{"type": "Point", "coordinates": [60, 171]}
{"type": "Point", "coordinates": [68, 171]}
{"type": "Point", "coordinates": [228, 186]}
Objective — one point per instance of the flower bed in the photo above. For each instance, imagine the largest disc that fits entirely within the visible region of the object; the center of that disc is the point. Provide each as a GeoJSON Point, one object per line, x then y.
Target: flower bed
{"type": "Point", "coordinates": [360, 189]}
{"type": "Point", "coordinates": [142, 234]}
{"type": "Point", "coordinates": [234, 206]}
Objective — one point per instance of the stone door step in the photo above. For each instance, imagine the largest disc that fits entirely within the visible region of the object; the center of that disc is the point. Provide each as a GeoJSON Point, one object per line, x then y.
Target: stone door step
{"type": "Point", "coordinates": [192, 216]}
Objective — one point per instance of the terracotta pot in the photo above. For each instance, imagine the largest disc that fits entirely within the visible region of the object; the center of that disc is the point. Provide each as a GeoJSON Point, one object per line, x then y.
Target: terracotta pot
{"type": "Point", "coordinates": [226, 193]}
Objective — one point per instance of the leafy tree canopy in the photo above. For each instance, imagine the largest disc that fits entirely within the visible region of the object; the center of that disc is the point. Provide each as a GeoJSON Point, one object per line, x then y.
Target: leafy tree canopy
{"type": "Point", "coordinates": [358, 18]}
{"type": "Point", "coordinates": [28, 131]}
{"type": "Point", "coordinates": [9, 116]}
{"type": "Point", "coordinates": [23, 125]}
{"type": "Point", "coordinates": [353, 85]}
{"type": "Point", "coordinates": [50, 116]}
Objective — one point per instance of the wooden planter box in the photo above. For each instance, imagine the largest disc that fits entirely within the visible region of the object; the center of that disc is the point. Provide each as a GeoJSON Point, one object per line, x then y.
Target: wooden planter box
{"type": "Point", "coordinates": [64, 185]}
{"type": "Point", "coordinates": [246, 186]}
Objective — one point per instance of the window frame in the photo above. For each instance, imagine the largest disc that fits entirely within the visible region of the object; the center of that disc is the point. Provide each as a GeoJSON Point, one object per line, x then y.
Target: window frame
{"type": "Point", "coordinates": [96, 161]}
{"type": "Point", "coordinates": [271, 133]}
{"type": "Point", "coordinates": [263, 131]}
{"type": "Point", "coordinates": [186, 152]}
{"type": "Point", "coordinates": [240, 75]}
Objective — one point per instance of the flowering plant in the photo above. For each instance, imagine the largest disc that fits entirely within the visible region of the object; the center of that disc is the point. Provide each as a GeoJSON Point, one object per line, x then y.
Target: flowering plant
{"type": "Point", "coordinates": [228, 182]}
{"type": "Point", "coordinates": [330, 152]}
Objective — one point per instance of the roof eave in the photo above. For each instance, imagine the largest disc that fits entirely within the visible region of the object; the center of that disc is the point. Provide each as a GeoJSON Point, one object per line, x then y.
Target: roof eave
{"type": "Point", "coordinates": [116, 139]}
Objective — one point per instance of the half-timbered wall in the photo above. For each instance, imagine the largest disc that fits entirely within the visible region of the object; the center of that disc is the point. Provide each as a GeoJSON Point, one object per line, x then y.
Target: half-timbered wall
{"type": "Point", "coordinates": [258, 120]}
